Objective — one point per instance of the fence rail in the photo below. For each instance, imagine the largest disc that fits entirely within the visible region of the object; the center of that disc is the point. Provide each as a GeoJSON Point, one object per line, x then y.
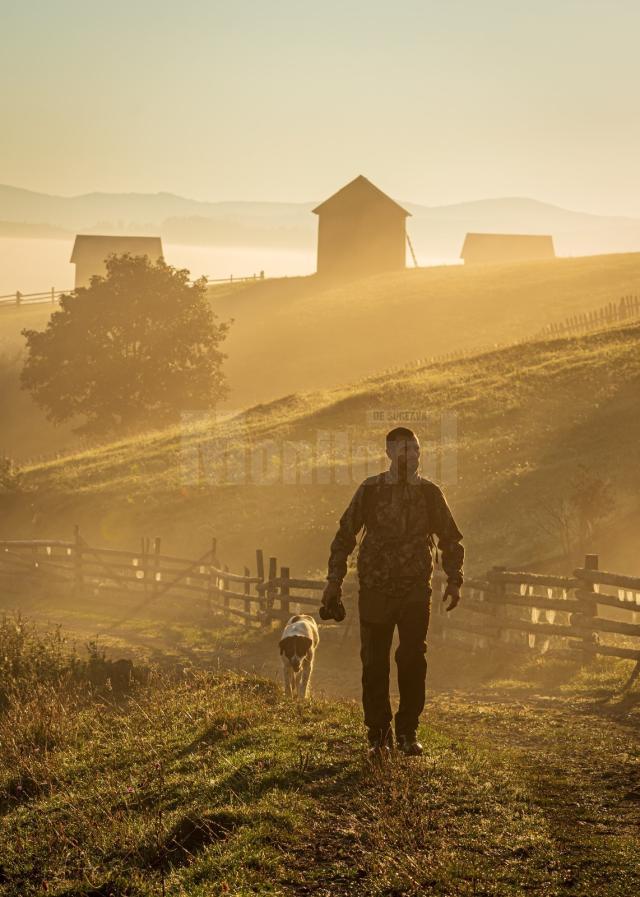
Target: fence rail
{"type": "Point", "coordinates": [627, 308]}
{"type": "Point", "coordinates": [52, 296]}
{"type": "Point", "coordinates": [233, 278]}
{"type": "Point", "coordinates": [589, 613]}
{"type": "Point", "coordinates": [17, 299]}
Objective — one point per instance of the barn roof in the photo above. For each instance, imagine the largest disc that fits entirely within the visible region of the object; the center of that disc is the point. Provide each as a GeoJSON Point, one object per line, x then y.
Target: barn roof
{"type": "Point", "coordinates": [93, 244]}
{"type": "Point", "coordinates": [525, 243]}
{"type": "Point", "coordinates": [358, 191]}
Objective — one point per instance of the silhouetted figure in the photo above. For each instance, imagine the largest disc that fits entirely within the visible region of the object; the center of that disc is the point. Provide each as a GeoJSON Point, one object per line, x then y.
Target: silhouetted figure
{"type": "Point", "coordinates": [401, 512]}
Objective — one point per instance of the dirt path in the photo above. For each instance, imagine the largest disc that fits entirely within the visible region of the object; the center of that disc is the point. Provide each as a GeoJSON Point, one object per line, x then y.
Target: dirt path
{"type": "Point", "coordinates": [575, 755]}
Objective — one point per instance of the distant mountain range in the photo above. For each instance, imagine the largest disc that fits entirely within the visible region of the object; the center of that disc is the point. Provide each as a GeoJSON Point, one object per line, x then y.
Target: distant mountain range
{"type": "Point", "coordinates": [436, 232]}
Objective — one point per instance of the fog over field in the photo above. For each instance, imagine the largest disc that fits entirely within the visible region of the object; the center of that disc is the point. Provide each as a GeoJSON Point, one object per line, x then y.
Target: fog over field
{"type": "Point", "coordinates": [35, 265]}
{"type": "Point", "coordinates": [243, 238]}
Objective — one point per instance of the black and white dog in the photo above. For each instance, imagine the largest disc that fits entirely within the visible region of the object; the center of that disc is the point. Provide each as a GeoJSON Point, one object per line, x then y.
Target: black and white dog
{"type": "Point", "coordinates": [297, 648]}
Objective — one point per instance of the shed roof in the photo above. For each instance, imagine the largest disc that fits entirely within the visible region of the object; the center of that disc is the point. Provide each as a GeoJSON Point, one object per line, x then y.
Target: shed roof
{"type": "Point", "coordinates": [97, 243]}
{"type": "Point", "coordinates": [358, 191]}
{"type": "Point", "coordinates": [525, 243]}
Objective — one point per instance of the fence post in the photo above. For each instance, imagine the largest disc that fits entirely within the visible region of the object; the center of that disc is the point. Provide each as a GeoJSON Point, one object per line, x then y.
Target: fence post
{"type": "Point", "coordinates": [156, 565]}
{"type": "Point", "coordinates": [34, 553]}
{"type": "Point", "coordinates": [247, 597]}
{"type": "Point", "coordinates": [53, 296]}
{"type": "Point", "coordinates": [77, 562]}
{"type": "Point", "coordinates": [284, 592]}
{"type": "Point", "coordinates": [227, 600]}
{"type": "Point", "coordinates": [269, 593]}
{"type": "Point", "coordinates": [144, 548]}
{"type": "Point", "coordinates": [18, 297]}
{"type": "Point", "coordinates": [213, 578]}
{"type": "Point", "coordinates": [260, 564]}
{"type": "Point", "coordinates": [588, 611]}
{"type": "Point", "coordinates": [262, 603]}
{"type": "Point", "coordinates": [498, 589]}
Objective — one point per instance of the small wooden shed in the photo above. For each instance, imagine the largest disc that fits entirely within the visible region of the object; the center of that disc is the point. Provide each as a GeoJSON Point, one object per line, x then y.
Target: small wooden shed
{"type": "Point", "coordinates": [91, 250]}
{"type": "Point", "coordinates": [496, 248]}
{"type": "Point", "coordinates": [361, 231]}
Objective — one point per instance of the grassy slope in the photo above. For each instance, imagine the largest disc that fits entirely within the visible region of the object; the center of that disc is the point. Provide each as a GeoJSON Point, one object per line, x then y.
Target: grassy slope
{"type": "Point", "coordinates": [296, 334]}
{"type": "Point", "coordinates": [526, 417]}
{"type": "Point", "coordinates": [213, 784]}
{"type": "Point", "coordinates": [300, 333]}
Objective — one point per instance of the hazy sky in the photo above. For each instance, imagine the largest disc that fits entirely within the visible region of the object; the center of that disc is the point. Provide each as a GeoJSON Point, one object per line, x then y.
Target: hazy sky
{"type": "Point", "coordinates": [437, 101]}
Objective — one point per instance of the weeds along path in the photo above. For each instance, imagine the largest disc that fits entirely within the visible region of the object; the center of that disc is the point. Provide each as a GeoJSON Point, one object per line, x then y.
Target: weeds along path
{"type": "Point", "coordinates": [573, 757]}
{"type": "Point", "coordinates": [217, 785]}
{"type": "Point", "coordinates": [213, 783]}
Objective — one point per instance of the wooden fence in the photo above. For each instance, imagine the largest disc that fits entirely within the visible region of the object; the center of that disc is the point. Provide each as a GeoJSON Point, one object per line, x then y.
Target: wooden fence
{"type": "Point", "coordinates": [233, 278]}
{"type": "Point", "coordinates": [626, 309]}
{"type": "Point", "coordinates": [17, 299]}
{"type": "Point", "coordinates": [88, 572]}
{"type": "Point", "coordinates": [587, 614]}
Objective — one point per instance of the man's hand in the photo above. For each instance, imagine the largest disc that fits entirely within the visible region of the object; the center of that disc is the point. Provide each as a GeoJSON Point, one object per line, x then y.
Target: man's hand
{"type": "Point", "coordinates": [332, 593]}
{"type": "Point", "coordinates": [453, 593]}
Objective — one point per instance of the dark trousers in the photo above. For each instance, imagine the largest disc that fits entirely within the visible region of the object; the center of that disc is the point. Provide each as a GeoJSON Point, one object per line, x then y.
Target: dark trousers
{"type": "Point", "coordinates": [379, 615]}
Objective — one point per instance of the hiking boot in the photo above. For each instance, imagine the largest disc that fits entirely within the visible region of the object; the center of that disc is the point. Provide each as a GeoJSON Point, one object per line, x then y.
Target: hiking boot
{"type": "Point", "coordinates": [409, 745]}
{"type": "Point", "coordinates": [378, 752]}
{"type": "Point", "coordinates": [380, 745]}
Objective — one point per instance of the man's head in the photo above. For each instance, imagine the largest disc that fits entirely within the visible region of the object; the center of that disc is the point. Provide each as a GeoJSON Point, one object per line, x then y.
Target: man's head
{"type": "Point", "coordinates": [403, 450]}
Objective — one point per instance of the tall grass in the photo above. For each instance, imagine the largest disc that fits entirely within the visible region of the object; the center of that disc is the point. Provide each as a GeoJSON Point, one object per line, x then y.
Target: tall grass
{"type": "Point", "coordinates": [212, 783]}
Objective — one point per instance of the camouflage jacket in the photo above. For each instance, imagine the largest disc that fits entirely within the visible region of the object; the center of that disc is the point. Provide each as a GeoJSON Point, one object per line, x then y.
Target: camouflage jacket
{"type": "Point", "coordinates": [400, 520]}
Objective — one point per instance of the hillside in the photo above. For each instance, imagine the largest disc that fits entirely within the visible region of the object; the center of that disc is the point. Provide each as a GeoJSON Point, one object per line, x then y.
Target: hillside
{"type": "Point", "coordinates": [293, 335]}
{"type": "Point", "coordinates": [301, 334]}
{"type": "Point", "coordinates": [437, 232]}
{"type": "Point", "coordinates": [201, 782]}
{"type": "Point", "coordinates": [526, 418]}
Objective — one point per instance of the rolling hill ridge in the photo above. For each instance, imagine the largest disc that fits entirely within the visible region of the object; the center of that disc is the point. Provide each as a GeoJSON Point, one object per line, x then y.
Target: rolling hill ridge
{"type": "Point", "coordinates": [524, 420]}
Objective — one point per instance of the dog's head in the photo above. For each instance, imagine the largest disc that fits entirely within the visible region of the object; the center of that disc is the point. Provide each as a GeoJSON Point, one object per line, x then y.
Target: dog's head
{"type": "Point", "coordinates": [295, 648]}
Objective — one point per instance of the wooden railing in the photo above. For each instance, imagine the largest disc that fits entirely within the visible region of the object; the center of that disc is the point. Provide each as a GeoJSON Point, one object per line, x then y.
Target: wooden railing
{"type": "Point", "coordinates": [626, 309]}
{"type": "Point", "coordinates": [233, 278]}
{"type": "Point", "coordinates": [589, 613]}
{"type": "Point", "coordinates": [17, 299]}
{"type": "Point", "coordinates": [148, 573]}
{"type": "Point", "coordinates": [52, 295]}
{"type": "Point", "coordinates": [549, 614]}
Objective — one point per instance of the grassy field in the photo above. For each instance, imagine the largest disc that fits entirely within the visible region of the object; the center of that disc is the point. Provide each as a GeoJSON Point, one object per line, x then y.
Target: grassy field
{"type": "Point", "coordinates": [298, 334]}
{"type": "Point", "coordinates": [198, 782]}
{"type": "Point", "coordinates": [527, 418]}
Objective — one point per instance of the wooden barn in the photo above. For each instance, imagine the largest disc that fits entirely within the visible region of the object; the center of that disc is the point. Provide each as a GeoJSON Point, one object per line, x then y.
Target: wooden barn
{"type": "Point", "coordinates": [361, 231]}
{"type": "Point", "coordinates": [91, 250]}
{"type": "Point", "coordinates": [496, 248]}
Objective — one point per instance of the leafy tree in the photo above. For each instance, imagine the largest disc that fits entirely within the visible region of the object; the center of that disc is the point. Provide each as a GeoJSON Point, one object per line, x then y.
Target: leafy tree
{"type": "Point", "coordinates": [132, 350]}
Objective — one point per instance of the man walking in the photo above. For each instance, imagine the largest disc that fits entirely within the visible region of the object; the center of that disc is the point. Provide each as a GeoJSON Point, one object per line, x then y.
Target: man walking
{"type": "Point", "coordinates": [400, 512]}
